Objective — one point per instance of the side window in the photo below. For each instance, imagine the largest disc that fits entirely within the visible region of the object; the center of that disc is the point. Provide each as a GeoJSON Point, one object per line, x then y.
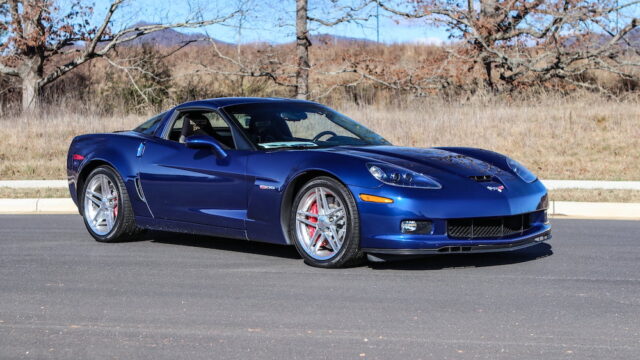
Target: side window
{"type": "Point", "coordinates": [208, 123]}
{"type": "Point", "coordinates": [176, 128]}
{"type": "Point", "coordinates": [216, 120]}
{"type": "Point", "coordinates": [243, 119]}
{"type": "Point", "coordinates": [149, 127]}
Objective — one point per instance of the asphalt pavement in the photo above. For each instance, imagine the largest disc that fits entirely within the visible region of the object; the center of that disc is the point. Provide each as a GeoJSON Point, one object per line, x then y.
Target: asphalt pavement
{"type": "Point", "coordinates": [65, 296]}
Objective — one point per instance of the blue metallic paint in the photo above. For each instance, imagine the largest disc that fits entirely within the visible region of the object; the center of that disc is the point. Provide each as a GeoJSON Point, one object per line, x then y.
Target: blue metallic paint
{"type": "Point", "coordinates": [193, 185]}
{"type": "Point", "coordinates": [242, 195]}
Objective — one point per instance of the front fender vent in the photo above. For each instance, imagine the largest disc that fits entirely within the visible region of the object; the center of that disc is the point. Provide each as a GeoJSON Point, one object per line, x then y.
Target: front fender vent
{"type": "Point", "coordinates": [139, 189]}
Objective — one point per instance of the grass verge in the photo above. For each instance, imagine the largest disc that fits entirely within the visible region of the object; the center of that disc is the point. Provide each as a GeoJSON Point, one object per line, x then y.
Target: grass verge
{"type": "Point", "coordinates": [595, 195]}
{"type": "Point", "coordinates": [21, 193]}
{"type": "Point", "coordinates": [585, 138]}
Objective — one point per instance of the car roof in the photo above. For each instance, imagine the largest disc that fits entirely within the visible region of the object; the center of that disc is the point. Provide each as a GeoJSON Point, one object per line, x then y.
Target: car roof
{"type": "Point", "coordinates": [228, 101]}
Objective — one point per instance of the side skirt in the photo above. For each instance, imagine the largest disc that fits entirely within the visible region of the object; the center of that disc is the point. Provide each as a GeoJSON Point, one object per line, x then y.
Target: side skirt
{"type": "Point", "coordinates": [190, 228]}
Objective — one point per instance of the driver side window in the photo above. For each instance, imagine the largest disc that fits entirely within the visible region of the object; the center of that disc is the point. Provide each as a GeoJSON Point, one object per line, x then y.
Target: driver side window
{"type": "Point", "coordinates": [199, 122]}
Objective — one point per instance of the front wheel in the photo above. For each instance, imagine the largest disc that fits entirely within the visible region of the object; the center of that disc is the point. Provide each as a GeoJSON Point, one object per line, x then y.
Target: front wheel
{"type": "Point", "coordinates": [106, 209]}
{"type": "Point", "coordinates": [324, 224]}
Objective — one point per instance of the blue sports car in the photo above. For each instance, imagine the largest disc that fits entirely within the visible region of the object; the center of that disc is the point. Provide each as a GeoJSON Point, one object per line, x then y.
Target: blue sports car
{"type": "Point", "coordinates": [299, 173]}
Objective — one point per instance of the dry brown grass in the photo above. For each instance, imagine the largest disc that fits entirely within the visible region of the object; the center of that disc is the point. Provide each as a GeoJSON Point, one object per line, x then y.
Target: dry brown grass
{"type": "Point", "coordinates": [581, 139]}
{"type": "Point", "coordinates": [19, 193]}
{"type": "Point", "coordinates": [595, 195]}
{"type": "Point", "coordinates": [36, 147]}
{"type": "Point", "coordinates": [588, 138]}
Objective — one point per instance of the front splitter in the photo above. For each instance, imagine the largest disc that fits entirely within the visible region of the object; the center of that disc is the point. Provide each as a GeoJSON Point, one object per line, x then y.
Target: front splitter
{"type": "Point", "coordinates": [457, 249]}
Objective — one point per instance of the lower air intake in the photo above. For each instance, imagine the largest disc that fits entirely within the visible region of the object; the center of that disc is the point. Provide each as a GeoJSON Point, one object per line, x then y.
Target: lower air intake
{"type": "Point", "coordinates": [489, 227]}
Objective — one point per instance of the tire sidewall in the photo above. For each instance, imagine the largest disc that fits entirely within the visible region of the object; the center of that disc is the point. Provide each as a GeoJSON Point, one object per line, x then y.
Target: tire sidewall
{"type": "Point", "coordinates": [111, 174]}
{"type": "Point", "coordinates": [352, 238]}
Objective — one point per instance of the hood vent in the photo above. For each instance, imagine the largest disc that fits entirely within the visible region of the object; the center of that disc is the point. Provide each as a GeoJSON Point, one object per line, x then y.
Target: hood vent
{"type": "Point", "coordinates": [482, 178]}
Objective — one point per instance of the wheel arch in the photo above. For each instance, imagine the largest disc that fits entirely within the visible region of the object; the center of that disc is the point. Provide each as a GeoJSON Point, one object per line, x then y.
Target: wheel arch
{"type": "Point", "coordinates": [84, 173]}
{"type": "Point", "coordinates": [292, 188]}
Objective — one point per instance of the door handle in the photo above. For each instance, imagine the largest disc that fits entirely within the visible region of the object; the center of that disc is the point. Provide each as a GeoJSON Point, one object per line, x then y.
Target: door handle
{"type": "Point", "coordinates": [140, 150]}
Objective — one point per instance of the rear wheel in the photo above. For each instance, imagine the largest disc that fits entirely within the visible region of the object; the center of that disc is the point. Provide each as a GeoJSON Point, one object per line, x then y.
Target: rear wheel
{"type": "Point", "coordinates": [106, 209]}
{"type": "Point", "coordinates": [325, 225]}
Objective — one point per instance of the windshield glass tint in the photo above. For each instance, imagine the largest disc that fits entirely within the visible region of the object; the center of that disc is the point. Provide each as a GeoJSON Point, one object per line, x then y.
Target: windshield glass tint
{"type": "Point", "coordinates": [300, 125]}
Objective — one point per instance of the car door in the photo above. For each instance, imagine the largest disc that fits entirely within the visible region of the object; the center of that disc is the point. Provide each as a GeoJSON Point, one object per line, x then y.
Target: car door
{"type": "Point", "coordinates": [195, 185]}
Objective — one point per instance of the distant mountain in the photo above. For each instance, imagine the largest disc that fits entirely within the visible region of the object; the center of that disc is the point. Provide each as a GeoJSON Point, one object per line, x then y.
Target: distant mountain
{"type": "Point", "coordinates": [170, 38]}
{"type": "Point", "coordinates": [338, 39]}
{"type": "Point", "coordinates": [598, 39]}
{"type": "Point", "coordinates": [173, 37]}
{"type": "Point", "coordinates": [634, 37]}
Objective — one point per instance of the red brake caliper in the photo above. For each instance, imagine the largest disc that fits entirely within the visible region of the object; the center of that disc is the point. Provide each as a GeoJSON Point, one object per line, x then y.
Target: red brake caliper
{"type": "Point", "coordinates": [314, 210]}
{"type": "Point", "coordinates": [312, 230]}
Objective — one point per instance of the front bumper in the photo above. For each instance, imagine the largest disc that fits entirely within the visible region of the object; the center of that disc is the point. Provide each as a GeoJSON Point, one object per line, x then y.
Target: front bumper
{"type": "Point", "coordinates": [380, 230]}
{"type": "Point", "coordinates": [471, 247]}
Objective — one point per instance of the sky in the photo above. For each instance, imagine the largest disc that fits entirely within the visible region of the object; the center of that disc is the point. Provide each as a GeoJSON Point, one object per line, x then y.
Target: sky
{"type": "Point", "coordinates": [273, 20]}
{"type": "Point", "coordinates": [267, 20]}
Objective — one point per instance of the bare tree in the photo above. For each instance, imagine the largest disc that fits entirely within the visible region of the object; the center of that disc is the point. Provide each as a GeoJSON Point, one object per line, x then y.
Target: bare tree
{"type": "Point", "coordinates": [268, 64]}
{"type": "Point", "coordinates": [352, 12]}
{"type": "Point", "coordinates": [39, 34]}
{"type": "Point", "coordinates": [302, 50]}
{"type": "Point", "coordinates": [541, 40]}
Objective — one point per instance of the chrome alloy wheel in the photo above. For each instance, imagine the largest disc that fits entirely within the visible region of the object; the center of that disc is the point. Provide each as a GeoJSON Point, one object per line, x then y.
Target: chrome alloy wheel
{"type": "Point", "coordinates": [321, 223]}
{"type": "Point", "coordinates": [101, 204]}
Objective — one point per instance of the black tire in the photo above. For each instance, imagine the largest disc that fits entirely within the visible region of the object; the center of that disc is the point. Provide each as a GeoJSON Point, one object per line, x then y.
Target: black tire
{"type": "Point", "coordinates": [349, 254]}
{"type": "Point", "coordinates": [124, 228]}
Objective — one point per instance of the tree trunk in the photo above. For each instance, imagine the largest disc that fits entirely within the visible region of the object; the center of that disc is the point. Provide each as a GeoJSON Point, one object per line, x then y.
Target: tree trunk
{"type": "Point", "coordinates": [302, 49]}
{"type": "Point", "coordinates": [30, 93]}
{"type": "Point", "coordinates": [31, 73]}
{"type": "Point", "coordinates": [488, 67]}
{"type": "Point", "coordinates": [489, 18]}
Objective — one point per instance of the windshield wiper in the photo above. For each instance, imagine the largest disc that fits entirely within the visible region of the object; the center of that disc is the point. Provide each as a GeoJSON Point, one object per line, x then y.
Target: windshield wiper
{"type": "Point", "coordinates": [288, 144]}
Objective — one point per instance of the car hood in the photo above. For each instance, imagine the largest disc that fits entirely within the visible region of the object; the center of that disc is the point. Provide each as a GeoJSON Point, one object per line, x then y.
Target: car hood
{"type": "Point", "coordinates": [429, 159]}
{"type": "Point", "coordinates": [437, 163]}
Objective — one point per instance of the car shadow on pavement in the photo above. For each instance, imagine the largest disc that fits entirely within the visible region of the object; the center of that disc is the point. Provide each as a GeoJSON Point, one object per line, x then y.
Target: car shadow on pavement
{"type": "Point", "coordinates": [216, 243]}
{"type": "Point", "coordinates": [438, 262]}
{"type": "Point", "coordinates": [427, 262]}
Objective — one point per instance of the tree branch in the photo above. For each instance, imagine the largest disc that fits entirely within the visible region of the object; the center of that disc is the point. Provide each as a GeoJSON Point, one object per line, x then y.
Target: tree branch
{"type": "Point", "coordinates": [120, 37]}
{"type": "Point", "coordinates": [349, 16]}
{"type": "Point", "coordinates": [6, 70]}
{"type": "Point", "coordinates": [91, 48]}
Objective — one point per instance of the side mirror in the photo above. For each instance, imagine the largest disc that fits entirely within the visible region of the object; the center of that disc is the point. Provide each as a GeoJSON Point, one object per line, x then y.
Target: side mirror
{"type": "Point", "coordinates": [204, 141]}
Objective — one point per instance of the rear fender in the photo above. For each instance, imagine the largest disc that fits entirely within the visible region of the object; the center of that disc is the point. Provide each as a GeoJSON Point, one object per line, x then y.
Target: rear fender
{"type": "Point", "coordinates": [115, 150]}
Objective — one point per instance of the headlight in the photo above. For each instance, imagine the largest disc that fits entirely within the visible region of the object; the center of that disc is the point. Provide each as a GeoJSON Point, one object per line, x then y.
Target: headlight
{"type": "Point", "coordinates": [397, 176]}
{"type": "Point", "coordinates": [521, 171]}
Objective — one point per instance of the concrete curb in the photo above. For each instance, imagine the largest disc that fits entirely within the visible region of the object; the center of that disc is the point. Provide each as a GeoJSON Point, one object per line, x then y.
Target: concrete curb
{"type": "Point", "coordinates": [35, 206]}
{"type": "Point", "coordinates": [34, 184]}
{"type": "Point", "coordinates": [591, 184]}
{"type": "Point", "coordinates": [557, 209]}
{"type": "Point", "coordinates": [597, 210]}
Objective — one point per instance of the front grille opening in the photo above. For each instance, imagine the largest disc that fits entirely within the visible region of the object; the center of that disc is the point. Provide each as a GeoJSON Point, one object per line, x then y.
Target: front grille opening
{"type": "Point", "coordinates": [489, 227]}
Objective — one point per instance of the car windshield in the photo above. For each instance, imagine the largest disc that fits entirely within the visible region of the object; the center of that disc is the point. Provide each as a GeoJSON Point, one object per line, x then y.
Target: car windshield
{"type": "Point", "coordinates": [300, 126]}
